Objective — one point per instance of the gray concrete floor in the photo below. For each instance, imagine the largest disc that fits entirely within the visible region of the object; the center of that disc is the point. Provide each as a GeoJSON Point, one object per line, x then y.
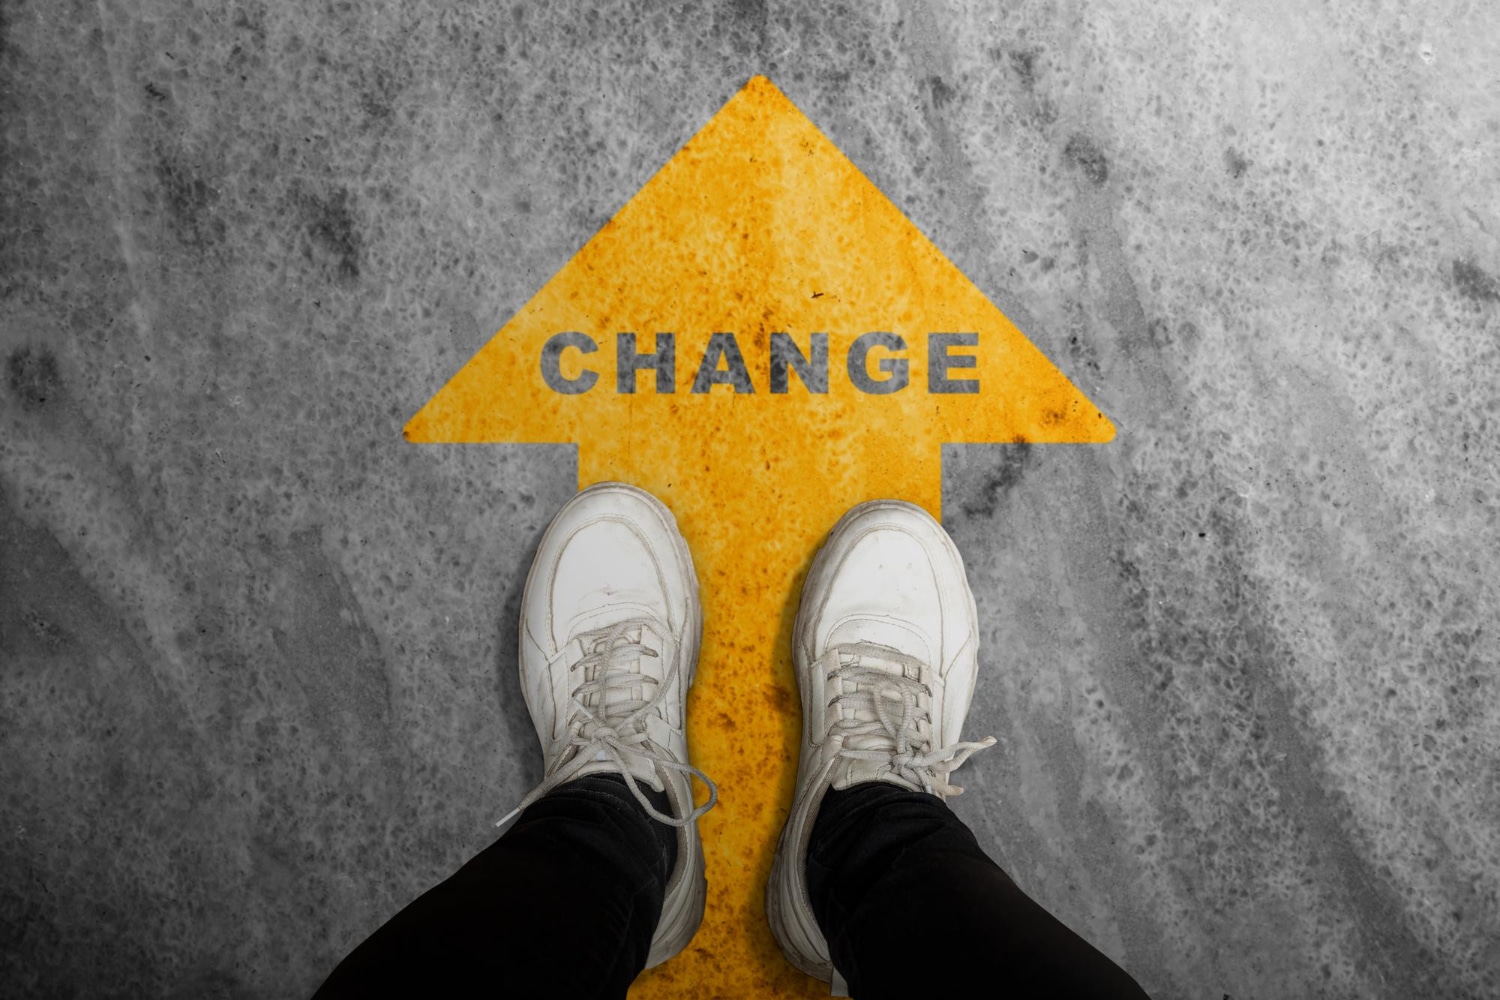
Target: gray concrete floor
{"type": "Point", "coordinates": [256, 652]}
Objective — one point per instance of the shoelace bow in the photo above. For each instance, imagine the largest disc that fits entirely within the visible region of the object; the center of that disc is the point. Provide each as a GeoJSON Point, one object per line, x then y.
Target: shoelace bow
{"type": "Point", "coordinates": [895, 735]}
{"type": "Point", "coordinates": [609, 728]}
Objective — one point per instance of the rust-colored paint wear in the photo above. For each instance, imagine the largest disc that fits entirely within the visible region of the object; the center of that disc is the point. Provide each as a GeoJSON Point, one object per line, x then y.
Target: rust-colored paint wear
{"type": "Point", "coordinates": [759, 224]}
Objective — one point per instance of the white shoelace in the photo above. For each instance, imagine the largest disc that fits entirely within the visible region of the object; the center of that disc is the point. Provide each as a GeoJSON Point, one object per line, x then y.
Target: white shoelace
{"type": "Point", "coordinates": [605, 728]}
{"type": "Point", "coordinates": [900, 732]}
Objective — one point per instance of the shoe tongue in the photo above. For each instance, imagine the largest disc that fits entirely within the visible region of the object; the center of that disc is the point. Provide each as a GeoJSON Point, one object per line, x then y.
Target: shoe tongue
{"type": "Point", "coordinates": [612, 704]}
{"type": "Point", "coordinates": [871, 654]}
{"type": "Point", "coordinates": [603, 701]}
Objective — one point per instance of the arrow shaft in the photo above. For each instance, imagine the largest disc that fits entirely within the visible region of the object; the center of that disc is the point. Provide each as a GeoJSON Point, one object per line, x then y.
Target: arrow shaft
{"type": "Point", "coordinates": [754, 515]}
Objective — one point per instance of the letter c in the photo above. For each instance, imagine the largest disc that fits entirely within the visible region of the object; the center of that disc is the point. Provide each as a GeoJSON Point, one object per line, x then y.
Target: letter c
{"type": "Point", "coordinates": [552, 363]}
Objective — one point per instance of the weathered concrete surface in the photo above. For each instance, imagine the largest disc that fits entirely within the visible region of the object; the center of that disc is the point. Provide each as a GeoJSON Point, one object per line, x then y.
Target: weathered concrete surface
{"type": "Point", "coordinates": [256, 668]}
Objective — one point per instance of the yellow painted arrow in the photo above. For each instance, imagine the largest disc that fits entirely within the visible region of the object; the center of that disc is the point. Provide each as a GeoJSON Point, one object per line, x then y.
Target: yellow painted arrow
{"type": "Point", "coordinates": [762, 339]}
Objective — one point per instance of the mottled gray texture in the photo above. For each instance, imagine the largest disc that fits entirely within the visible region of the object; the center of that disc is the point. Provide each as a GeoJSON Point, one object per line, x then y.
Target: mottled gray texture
{"type": "Point", "coordinates": [256, 669]}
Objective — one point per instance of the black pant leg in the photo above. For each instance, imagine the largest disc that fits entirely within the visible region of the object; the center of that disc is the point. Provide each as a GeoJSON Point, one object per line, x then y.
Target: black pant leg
{"type": "Point", "coordinates": [565, 903]}
{"type": "Point", "coordinates": [913, 907]}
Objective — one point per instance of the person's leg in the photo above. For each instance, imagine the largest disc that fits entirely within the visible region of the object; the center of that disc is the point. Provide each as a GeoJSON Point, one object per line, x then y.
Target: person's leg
{"type": "Point", "coordinates": [875, 878]}
{"type": "Point", "coordinates": [892, 873]}
{"type": "Point", "coordinates": [565, 904]}
{"type": "Point", "coordinates": [603, 874]}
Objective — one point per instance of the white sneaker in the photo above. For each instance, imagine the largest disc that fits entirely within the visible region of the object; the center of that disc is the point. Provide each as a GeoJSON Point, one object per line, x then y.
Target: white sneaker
{"type": "Point", "coordinates": [610, 629]}
{"type": "Point", "coordinates": [885, 650]}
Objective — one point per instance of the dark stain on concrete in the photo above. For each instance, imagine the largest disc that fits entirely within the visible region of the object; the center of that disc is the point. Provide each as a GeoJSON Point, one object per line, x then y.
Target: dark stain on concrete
{"type": "Point", "coordinates": [46, 633]}
{"type": "Point", "coordinates": [749, 17]}
{"type": "Point", "coordinates": [1000, 482]}
{"type": "Point", "coordinates": [1084, 353]}
{"type": "Point", "coordinates": [374, 105]}
{"type": "Point", "coordinates": [751, 12]}
{"type": "Point", "coordinates": [34, 377]}
{"type": "Point", "coordinates": [1086, 154]}
{"type": "Point", "coordinates": [1023, 63]}
{"type": "Point", "coordinates": [333, 238]}
{"type": "Point", "coordinates": [191, 202]}
{"type": "Point", "coordinates": [942, 94]}
{"type": "Point", "coordinates": [378, 99]}
{"type": "Point", "coordinates": [248, 53]}
{"type": "Point", "coordinates": [1235, 163]}
{"type": "Point", "coordinates": [1473, 282]}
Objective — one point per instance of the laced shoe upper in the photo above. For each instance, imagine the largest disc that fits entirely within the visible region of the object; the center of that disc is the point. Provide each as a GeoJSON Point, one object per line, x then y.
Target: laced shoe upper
{"type": "Point", "coordinates": [612, 710]}
{"type": "Point", "coordinates": [880, 721]}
